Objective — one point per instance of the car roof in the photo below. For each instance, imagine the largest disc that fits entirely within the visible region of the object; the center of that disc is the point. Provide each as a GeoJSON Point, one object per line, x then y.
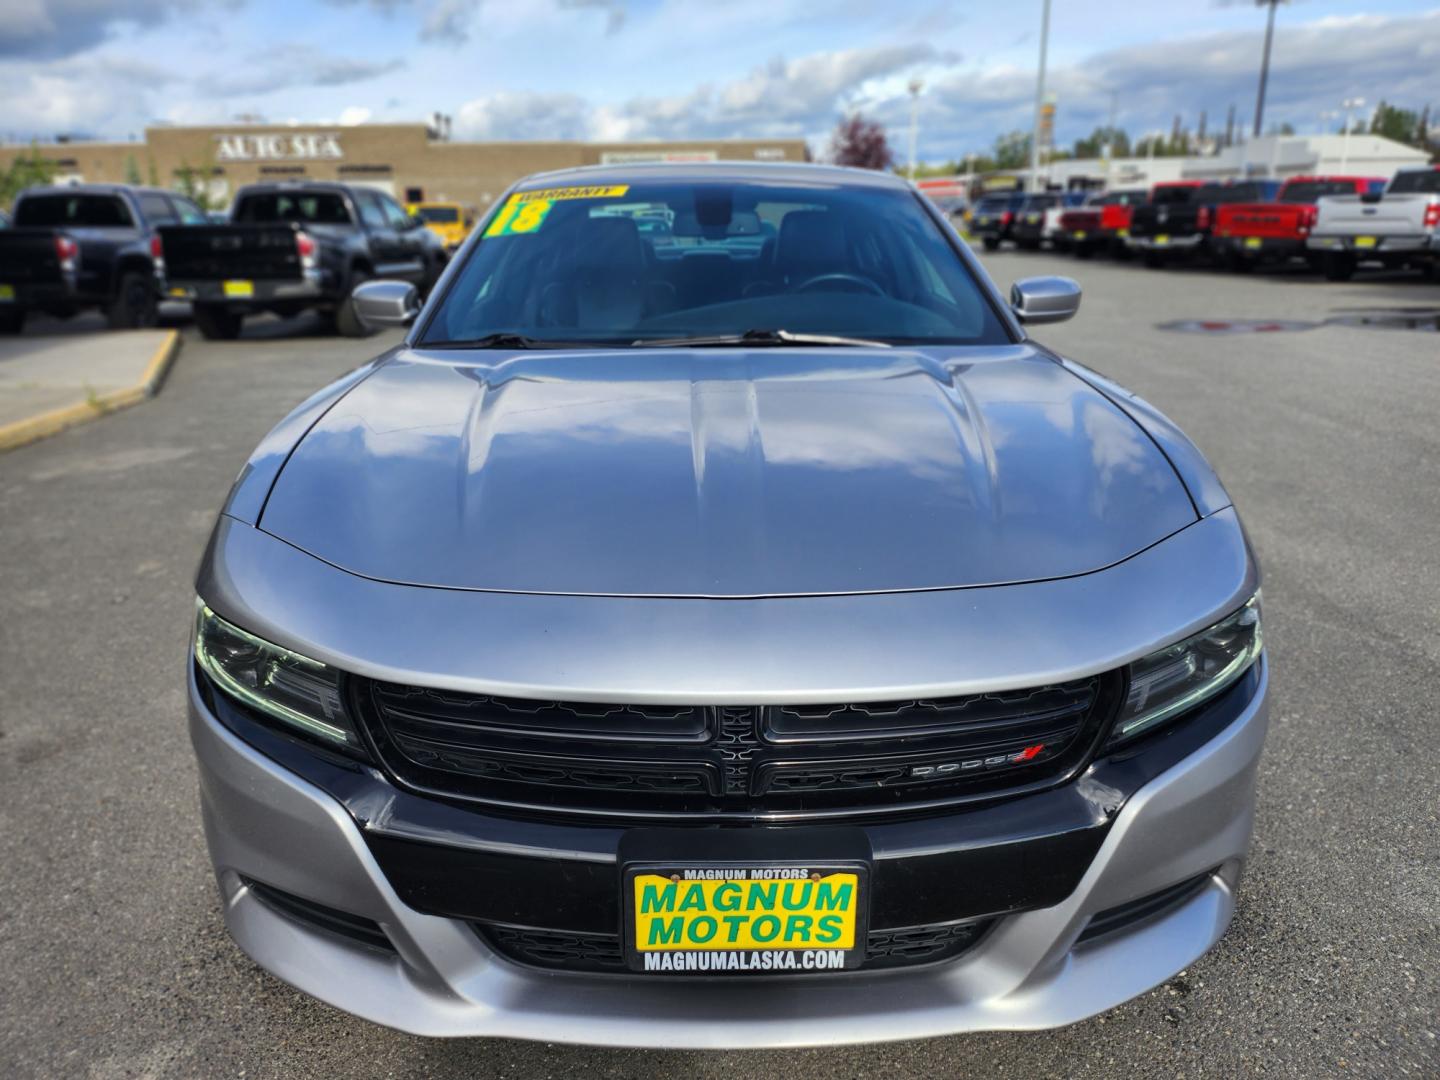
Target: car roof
{"type": "Point", "coordinates": [99, 189]}
{"type": "Point", "coordinates": [771, 172]}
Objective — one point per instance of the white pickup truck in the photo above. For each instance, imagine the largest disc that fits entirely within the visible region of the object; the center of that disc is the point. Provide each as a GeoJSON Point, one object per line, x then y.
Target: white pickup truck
{"type": "Point", "coordinates": [1399, 227]}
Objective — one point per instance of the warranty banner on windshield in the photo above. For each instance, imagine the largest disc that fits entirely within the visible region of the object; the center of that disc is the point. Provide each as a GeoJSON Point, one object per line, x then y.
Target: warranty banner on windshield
{"type": "Point", "coordinates": [525, 211]}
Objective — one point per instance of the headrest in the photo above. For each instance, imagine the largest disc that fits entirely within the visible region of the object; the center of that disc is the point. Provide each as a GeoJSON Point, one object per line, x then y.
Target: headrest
{"type": "Point", "coordinates": [811, 237]}
{"type": "Point", "coordinates": [610, 245]}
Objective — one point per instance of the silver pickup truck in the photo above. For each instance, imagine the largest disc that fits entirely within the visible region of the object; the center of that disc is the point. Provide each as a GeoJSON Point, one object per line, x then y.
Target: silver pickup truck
{"type": "Point", "coordinates": [1397, 228]}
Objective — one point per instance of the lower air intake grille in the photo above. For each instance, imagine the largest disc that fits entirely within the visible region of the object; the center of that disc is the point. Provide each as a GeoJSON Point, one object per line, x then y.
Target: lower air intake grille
{"type": "Point", "coordinates": [559, 950]}
{"type": "Point", "coordinates": [733, 762]}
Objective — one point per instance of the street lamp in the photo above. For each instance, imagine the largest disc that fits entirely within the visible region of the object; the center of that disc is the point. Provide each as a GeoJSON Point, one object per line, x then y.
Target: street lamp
{"type": "Point", "coordinates": [916, 85]}
{"type": "Point", "coordinates": [1039, 96]}
{"type": "Point", "coordinates": [1349, 104]}
{"type": "Point", "coordinates": [1265, 61]}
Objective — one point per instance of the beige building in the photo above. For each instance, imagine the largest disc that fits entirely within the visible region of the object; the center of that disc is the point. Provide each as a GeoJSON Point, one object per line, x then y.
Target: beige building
{"type": "Point", "coordinates": [401, 159]}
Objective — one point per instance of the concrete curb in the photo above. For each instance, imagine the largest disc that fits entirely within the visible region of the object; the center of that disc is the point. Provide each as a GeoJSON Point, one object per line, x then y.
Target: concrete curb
{"type": "Point", "coordinates": [56, 420]}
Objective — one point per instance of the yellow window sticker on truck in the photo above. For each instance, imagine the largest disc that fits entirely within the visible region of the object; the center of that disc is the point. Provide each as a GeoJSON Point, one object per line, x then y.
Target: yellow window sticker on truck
{"type": "Point", "coordinates": [525, 211]}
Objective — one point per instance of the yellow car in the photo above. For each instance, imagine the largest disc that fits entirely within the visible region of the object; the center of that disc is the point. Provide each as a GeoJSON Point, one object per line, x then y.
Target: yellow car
{"type": "Point", "coordinates": [448, 220]}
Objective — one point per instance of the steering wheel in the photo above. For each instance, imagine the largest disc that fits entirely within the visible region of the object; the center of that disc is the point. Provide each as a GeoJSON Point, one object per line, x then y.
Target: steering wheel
{"type": "Point", "coordinates": [865, 283]}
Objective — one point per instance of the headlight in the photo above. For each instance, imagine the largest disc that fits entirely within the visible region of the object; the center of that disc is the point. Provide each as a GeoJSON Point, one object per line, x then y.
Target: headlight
{"type": "Point", "coordinates": [1181, 676]}
{"type": "Point", "coordinates": [301, 693]}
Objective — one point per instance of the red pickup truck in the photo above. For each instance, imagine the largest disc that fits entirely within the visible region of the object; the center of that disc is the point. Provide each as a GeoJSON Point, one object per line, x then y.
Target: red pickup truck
{"type": "Point", "coordinates": [1247, 234]}
{"type": "Point", "coordinates": [1099, 225]}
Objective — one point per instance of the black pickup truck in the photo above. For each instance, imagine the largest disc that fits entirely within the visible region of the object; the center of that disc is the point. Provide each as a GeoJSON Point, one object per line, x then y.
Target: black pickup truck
{"type": "Point", "coordinates": [1178, 220]}
{"type": "Point", "coordinates": [87, 246]}
{"type": "Point", "coordinates": [293, 246]}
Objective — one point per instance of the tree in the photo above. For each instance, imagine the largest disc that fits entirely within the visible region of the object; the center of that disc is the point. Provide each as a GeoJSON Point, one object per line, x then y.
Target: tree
{"type": "Point", "coordinates": [25, 171]}
{"type": "Point", "coordinates": [132, 170]}
{"type": "Point", "coordinates": [1093, 145]}
{"type": "Point", "coordinates": [1402, 125]}
{"type": "Point", "coordinates": [1012, 150]}
{"type": "Point", "coordinates": [860, 143]}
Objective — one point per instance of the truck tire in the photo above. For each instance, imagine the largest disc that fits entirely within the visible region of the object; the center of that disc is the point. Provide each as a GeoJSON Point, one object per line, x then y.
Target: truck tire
{"type": "Point", "coordinates": [347, 323]}
{"type": "Point", "coordinates": [1338, 267]}
{"type": "Point", "coordinates": [992, 243]}
{"type": "Point", "coordinates": [12, 320]}
{"type": "Point", "coordinates": [135, 305]}
{"type": "Point", "coordinates": [217, 324]}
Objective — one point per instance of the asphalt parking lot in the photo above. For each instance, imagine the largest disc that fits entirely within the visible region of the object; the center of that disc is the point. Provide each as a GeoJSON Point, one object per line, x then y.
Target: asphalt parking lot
{"type": "Point", "coordinates": [114, 957]}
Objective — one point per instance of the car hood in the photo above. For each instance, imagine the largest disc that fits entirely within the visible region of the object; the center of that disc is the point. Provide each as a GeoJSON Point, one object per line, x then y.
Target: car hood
{"type": "Point", "coordinates": [725, 472]}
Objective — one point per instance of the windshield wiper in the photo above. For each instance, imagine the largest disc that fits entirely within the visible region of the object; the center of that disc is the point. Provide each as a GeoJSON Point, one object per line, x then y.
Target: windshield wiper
{"type": "Point", "coordinates": [762, 338]}
{"type": "Point", "coordinates": [507, 339]}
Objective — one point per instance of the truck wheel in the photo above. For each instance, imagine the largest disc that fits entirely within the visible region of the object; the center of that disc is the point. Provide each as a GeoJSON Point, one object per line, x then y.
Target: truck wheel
{"type": "Point", "coordinates": [217, 324]}
{"type": "Point", "coordinates": [135, 304]}
{"type": "Point", "coordinates": [1338, 267]}
{"type": "Point", "coordinates": [347, 323]}
{"type": "Point", "coordinates": [992, 243]}
{"type": "Point", "coordinates": [12, 320]}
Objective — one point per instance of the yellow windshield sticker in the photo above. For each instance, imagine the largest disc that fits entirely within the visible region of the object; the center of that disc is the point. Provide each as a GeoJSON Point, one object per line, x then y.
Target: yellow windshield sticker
{"type": "Point", "coordinates": [525, 211]}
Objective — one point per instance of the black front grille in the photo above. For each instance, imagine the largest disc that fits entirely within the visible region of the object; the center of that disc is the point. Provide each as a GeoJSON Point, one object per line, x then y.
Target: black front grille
{"type": "Point", "coordinates": [559, 950]}
{"type": "Point", "coordinates": [733, 762]}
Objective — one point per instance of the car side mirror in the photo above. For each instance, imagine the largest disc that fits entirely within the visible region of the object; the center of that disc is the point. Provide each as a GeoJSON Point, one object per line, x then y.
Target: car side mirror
{"type": "Point", "coordinates": [1044, 299]}
{"type": "Point", "coordinates": [386, 303]}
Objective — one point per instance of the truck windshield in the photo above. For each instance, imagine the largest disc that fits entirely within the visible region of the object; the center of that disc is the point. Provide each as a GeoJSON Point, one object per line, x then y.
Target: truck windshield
{"type": "Point", "coordinates": [312, 207]}
{"type": "Point", "coordinates": [1309, 191]}
{"type": "Point", "coordinates": [440, 215]}
{"type": "Point", "coordinates": [1413, 182]}
{"type": "Point", "coordinates": [80, 211]}
{"type": "Point", "coordinates": [575, 265]}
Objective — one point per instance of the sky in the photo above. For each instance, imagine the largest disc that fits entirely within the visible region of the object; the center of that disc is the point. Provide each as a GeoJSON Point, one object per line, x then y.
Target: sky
{"type": "Point", "coordinates": [661, 69]}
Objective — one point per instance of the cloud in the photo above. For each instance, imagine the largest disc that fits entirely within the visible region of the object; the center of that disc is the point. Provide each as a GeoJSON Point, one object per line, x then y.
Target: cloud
{"type": "Point", "coordinates": [614, 11]}
{"type": "Point", "coordinates": [521, 115]}
{"type": "Point", "coordinates": [48, 29]}
{"type": "Point", "coordinates": [448, 21]}
{"type": "Point", "coordinates": [95, 95]}
{"type": "Point", "coordinates": [1314, 66]}
{"type": "Point", "coordinates": [782, 98]}
{"type": "Point", "coordinates": [286, 66]}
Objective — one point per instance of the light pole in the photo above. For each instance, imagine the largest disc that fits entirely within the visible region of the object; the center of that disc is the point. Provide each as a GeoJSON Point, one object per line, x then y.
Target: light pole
{"type": "Point", "coordinates": [916, 85]}
{"type": "Point", "coordinates": [1348, 105]}
{"type": "Point", "coordinates": [1039, 95]}
{"type": "Point", "coordinates": [1265, 61]}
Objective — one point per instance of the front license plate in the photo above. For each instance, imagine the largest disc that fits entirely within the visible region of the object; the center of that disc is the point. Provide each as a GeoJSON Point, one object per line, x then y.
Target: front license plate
{"type": "Point", "coordinates": [1033, 219]}
{"type": "Point", "coordinates": [7, 294]}
{"type": "Point", "coordinates": [1123, 233]}
{"type": "Point", "coordinates": [239, 288]}
{"type": "Point", "coordinates": [1079, 234]}
{"type": "Point", "coordinates": [1161, 239]}
{"type": "Point", "coordinates": [745, 919]}
{"type": "Point", "coordinates": [1253, 243]}
{"type": "Point", "coordinates": [1365, 241]}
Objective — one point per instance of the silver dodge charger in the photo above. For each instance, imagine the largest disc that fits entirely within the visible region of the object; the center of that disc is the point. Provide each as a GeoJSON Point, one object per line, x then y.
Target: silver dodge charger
{"type": "Point", "coordinates": [719, 624]}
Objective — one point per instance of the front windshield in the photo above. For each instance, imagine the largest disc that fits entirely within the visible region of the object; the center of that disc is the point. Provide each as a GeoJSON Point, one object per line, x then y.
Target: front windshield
{"type": "Point", "coordinates": [620, 263]}
{"type": "Point", "coordinates": [440, 215]}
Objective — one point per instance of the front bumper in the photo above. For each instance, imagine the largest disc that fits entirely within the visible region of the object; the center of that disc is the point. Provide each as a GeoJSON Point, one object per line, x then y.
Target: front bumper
{"type": "Point", "coordinates": [266, 823]}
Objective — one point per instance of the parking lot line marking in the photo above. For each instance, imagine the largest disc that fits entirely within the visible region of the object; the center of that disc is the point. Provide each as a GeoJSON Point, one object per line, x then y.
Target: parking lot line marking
{"type": "Point", "coordinates": [43, 425]}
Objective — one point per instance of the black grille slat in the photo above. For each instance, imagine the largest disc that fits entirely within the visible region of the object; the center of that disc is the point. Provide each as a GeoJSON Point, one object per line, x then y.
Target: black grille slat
{"type": "Point", "coordinates": [732, 762]}
{"type": "Point", "coordinates": [561, 950]}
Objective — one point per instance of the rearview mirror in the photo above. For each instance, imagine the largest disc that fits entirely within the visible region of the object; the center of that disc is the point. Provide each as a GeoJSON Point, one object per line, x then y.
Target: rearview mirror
{"type": "Point", "coordinates": [386, 303]}
{"type": "Point", "coordinates": [1044, 299]}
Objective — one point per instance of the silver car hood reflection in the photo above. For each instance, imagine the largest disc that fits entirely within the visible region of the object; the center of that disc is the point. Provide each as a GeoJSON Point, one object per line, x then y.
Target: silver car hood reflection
{"type": "Point", "coordinates": [725, 473]}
